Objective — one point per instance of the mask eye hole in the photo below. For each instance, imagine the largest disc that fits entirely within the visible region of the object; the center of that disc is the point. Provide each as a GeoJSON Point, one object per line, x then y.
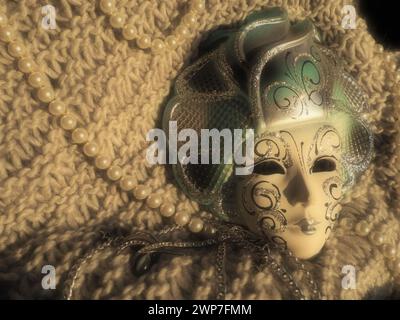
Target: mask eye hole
{"type": "Point", "coordinates": [268, 167]}
{"type": "Point", "coordinates": [323, 165]}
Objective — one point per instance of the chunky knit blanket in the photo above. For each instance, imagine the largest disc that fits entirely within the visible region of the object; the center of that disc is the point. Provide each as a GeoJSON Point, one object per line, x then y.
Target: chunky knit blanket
{"type": "Point", "coordinates": [55, 206]}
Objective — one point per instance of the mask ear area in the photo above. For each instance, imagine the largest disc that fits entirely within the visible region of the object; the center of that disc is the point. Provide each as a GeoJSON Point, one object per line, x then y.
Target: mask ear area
{"type": "Point", "coordinates": [343, 90]}
{"type": "Point", "coordinates": [350, 100]}
{"type": "Point", "coordinates": [206, 96]}
{"type": "Point", "coordinates": [349, 93]}
{"type": "Point", "coordinates": [202, 182]}
{"type": "Point", "coordinates": [358, 149]}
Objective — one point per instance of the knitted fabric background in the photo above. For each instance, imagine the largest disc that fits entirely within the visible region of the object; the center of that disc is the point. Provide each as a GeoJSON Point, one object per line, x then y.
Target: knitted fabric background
{"type": "Point", "coordinates": [54, 202]}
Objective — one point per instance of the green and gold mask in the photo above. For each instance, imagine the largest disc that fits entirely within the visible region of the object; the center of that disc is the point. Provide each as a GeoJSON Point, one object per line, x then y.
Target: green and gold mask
{"type": "Point", "coordinates": [310, 139]}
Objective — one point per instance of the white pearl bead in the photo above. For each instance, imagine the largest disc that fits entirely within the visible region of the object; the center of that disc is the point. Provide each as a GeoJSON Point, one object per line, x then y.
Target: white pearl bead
{"type": "Point", "coordinates": [107, 6]}
{"type": "Point", "coordinates": [389, 251]}
{"type": "Point", "coordinates": [15, 49]}
{"type": "Point", "coordinates": [210, 230]}
{"type": "Point", "coordinates": [6, 34]}
{"type": "Point", "coordinates": [102, 162]}
{"type": "Point", "coordinates": [377, 238]}
{"type": "Point", "coordinates": [182, 32]}
{"type": "Point", "coordinates": [190, 20]}
{"type": "Point", "coordinates": [144, 42]}
{"type": "Point", "coordinates": [117, 21]}
{"type": "Point", "coordinates": [79, 136]}
{"type": "Point", "coordinates": [37, 79]}
{"type": "Point", "coordinates": [157, 46]}
{"type": "Point", "coordinates": [68, 122]}
{"type": "Point", "coordinates": [25, 65]}
{"type": "Point", "coordinates": [128, 32]}
{"type": "Point", "coordinates": [141, 192]}
{"type": "Point", "coordinates": [182, 218]}
{"type": "Point", "coordinates": [197, 5]}
{"type": "Point", "coordinates": [90, 149]}
{"type": "Point", "coordinates": [56, 108]}
{"type": "Point", "coordinates": [114, 173]}
{"type": "Point", "coordinates": [196, 225]}
{"type": "Point", "coordinates": [362, 228]}
{"type": "Point", "coordinates": [171, 42]}
{"type": "Point", "coordinates": [127, 183]}
{"type": "Point", "coordinates": [154, 201]}
{"type": "Point", "coordinates": [45, 94]}
{"type": "Point", "coordinates": [167, 210]}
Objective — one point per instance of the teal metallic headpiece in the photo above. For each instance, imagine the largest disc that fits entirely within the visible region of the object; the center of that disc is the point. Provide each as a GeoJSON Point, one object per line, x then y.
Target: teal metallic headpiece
{"type": "Point", "coordinates": [268, 74]}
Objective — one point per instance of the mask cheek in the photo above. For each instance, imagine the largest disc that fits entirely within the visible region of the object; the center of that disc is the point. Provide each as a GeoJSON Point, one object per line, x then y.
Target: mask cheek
{"type": "Point", "coordinates": [332, 213]}
{"type": "Point", "coordinates": [333, 190]}
{"type": "Point", "coordinates": [259, 195]}
{"type": "Point", "coordinates": [260, 203]}
{"type": "Point", "coordinates": [272, 223]}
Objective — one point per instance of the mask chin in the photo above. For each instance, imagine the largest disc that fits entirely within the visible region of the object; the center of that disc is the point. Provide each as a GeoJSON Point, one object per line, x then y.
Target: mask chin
{"type": "Point", "coordinates": [306, 247]}
{"type": "Point", "coordinates": [303, 256]}
{"type": "Point", "coordinates": [306, 254]}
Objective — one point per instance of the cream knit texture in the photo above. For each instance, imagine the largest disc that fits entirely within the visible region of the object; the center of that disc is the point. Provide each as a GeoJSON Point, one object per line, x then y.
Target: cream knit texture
{"type": "Point", "coordinates": [54, 202]}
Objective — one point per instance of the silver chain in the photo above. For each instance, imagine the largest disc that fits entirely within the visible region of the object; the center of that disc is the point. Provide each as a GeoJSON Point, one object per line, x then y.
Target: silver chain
{"type": "Point", "coordinates": [150, 243]}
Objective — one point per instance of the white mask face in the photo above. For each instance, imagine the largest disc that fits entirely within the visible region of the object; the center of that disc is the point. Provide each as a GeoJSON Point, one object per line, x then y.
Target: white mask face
{"type": "Point", "coordinates": [293, 195]}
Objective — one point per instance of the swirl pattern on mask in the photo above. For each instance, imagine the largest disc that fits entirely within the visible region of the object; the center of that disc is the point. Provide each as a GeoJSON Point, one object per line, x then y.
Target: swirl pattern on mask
{"type": "Point", "coordinates": [272, 146]}
{"type": "Point", "coordinates": [261, 196]}
{"type": "Point", "coordinates": [274, 221]}
{"type": "Point", "coordinates": [326, 141]}
{"type": "Point", "coordinates": [302, 76]}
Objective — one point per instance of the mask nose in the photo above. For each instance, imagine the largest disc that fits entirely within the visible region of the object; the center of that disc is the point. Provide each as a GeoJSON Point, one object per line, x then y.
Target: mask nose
{"type": "Point", "coordinates": [297, 191]}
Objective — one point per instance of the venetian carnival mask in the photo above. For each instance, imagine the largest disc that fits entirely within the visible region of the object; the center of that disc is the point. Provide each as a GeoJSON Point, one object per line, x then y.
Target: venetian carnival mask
{"type": "Point", "coordinates": [310, 139]}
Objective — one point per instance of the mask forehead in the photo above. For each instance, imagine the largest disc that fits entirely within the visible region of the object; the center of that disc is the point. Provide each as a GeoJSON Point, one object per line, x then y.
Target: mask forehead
{"type": "Point", "coordinates": [296, 90]}
{"type": "Point", "coordinates": [311, 139]}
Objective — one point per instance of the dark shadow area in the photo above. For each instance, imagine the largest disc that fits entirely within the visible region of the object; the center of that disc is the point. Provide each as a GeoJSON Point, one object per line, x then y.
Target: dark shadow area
{"type": "Point", "coordinates": [382, 20]}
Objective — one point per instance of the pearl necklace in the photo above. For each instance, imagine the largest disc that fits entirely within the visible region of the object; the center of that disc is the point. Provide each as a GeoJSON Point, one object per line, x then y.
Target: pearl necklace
{"type": "Point", "coordinates": [79, 135]}
{"type": "Point", "coordinates": [117, 21]}
{"type": "Point", "coordinates": [363, 228]}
